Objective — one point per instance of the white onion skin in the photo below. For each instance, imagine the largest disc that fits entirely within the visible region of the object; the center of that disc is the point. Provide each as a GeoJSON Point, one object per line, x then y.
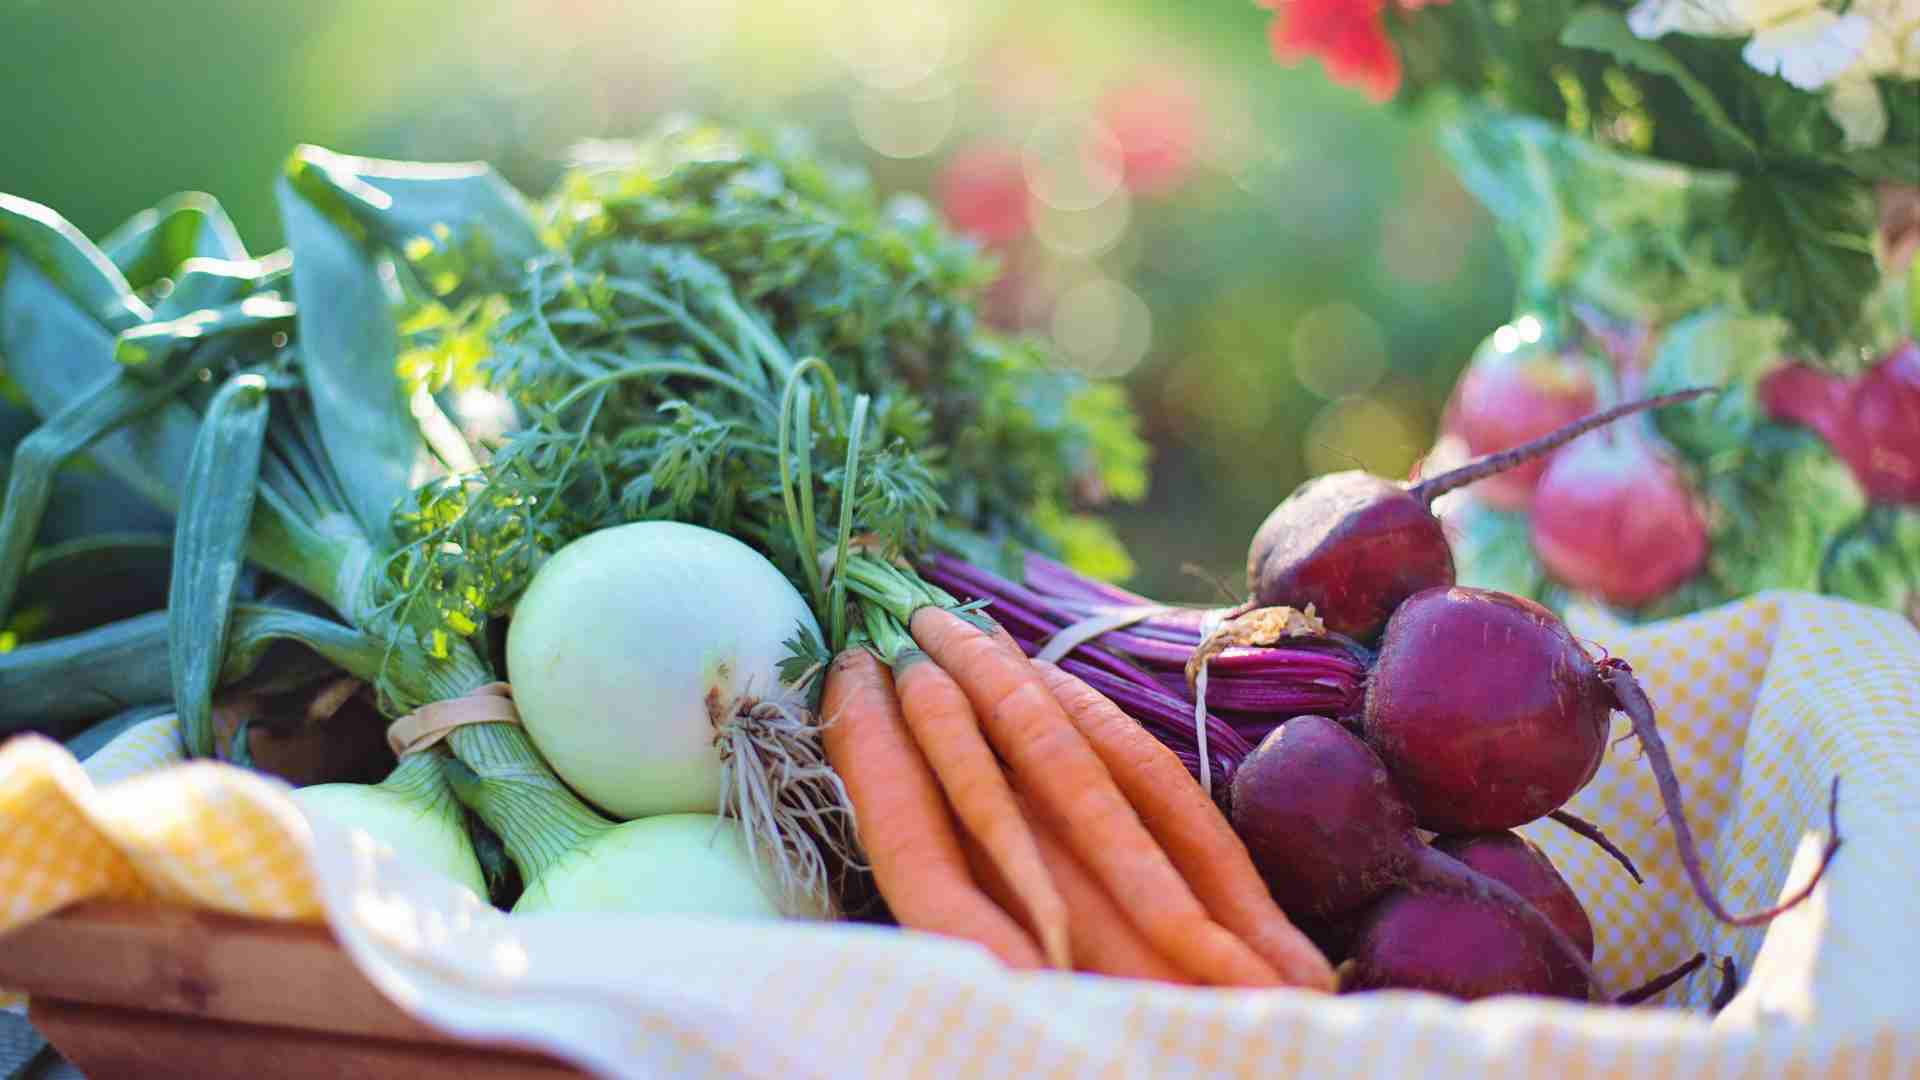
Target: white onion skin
{"type": "Point", "coordinates": [670, 864]}
{"type": "Point", "coordinates": [627, 642]}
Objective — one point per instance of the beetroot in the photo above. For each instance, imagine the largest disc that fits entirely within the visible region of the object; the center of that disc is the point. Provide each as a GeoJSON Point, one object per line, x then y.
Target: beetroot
{"type": "Point", "coordinates": [1482, 950]}
{"type": "Point", "coordinates": [1613, 518]}
{"type": "Point", "coordinates": [1458, 946]}
{"type": "Point", "coordinates": [1872, 422]}
{"type": "Point", "coordinates": [1508, 857]}
{"type": "Point", "coordinates": [1329, 833]}
{"type": "Point", "coordinates": [1488, 714]}
{"type": "Point", "coordinates": [1353, 545]}
{"type": "Point", "coordinates": [1321, 818]}
{"type": "Point", "coordinates": [1506, 399]}
{"type": "Point", "coordinates": [1486, 710]}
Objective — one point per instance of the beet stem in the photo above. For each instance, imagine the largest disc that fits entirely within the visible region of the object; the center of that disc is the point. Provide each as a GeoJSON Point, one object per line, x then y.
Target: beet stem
{"type": "Point", "coordinates": [1660, 982]}
{"type": "Point", "coordinates": [1729, 984]}
{"type": "Point", "coordinates": [1632, 700]}
{"type": "Point", "coordinates": [1492, 464]}
{"type": "Point", "coordinates": [1441, 872]}
{"type": "Point", "coordinates": [1592, 832]}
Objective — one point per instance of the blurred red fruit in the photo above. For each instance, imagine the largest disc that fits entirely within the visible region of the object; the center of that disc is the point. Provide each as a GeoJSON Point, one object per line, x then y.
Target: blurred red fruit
{"type": "Point", "coordinates": [1506, 399]}
{"type": "Point", "coordinates": [1872, 422]}
{"type": "Point", "coordinates": [982, 191]}
{"type": "Point", "coordinates": [1156, 121]}
{"type": "Point", "coordinates": [1611, 517]}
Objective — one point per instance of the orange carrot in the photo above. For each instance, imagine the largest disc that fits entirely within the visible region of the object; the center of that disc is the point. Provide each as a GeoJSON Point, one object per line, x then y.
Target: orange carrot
{"type": "Point", "coordinates": [1104, 942]}
{"type": "Point", "coordinates": [943, 726]}
{"type": "Point", "coordinates": [1194, 834]}
{"type": "Point", "coordinates": [903, 820]}
{"type": "Point", "coordinates": [1070, 789]}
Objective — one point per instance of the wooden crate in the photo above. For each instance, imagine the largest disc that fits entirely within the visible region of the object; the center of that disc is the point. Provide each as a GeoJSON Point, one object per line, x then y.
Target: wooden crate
{"type": "Point", "coordinates": [153, 992]}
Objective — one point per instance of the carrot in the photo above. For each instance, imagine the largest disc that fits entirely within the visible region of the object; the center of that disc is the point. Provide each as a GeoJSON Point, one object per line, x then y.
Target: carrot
{"type": "Point", "coordinates": [1104, 942]}
{"type": "Point", "coordinates": [1069, 788]}
{"type": "Point", "coordinates": [902, 818]}
{"type": "Point", "coordinates": [1195, 835]}
{"type": "Point", "coordinates": [943, 726]}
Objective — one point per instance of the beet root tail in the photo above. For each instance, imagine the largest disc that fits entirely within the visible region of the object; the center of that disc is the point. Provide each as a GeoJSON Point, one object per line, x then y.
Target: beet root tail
{"type": "Point", "coordinates": [1581, 826]}
{"type": "Point", "coordinates": [1632, 700]}
{"type": "Point", "coordinates": [1659, 983]}
{"type": "Point", "coordinates": [1729, 984]}
{"type": "Point", "coordinates": [1492, 464]}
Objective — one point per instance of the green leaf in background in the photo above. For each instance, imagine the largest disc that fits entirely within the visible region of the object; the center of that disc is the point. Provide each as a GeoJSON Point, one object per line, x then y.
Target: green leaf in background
{"type": "Point", "coordinates": [56, 355]}
{"type": "Point", "coordinates": [348, 346]}
{"type": "Point", "coordinates": [1492, 548]}
{"type": "Point", "coordinates": [93, 580]}
{"type": "Point", "coordinates": [112, 402]}
{"type": "Point", "coordinates": [1616, 230]}
{"type": "Point", "coordinates": [1878, 561]}
{"type": "Point", "coordinates": [201, 283]}
{"type": "Point", "coordinates": [1777, 504]}
{"type": "Point", "coordinates": [156, 241]}
{"type": "Point", "coordinates": [54, 685]}
{"type": "Point", "coordinates": [1604, 29]}
{"type": "Point", "coordinates": [41, 236]}
{"type": "Point", "coordinates": [1716, 347]}
{"type": "Point", "coordinates": [1802, 248]}
{"type": "Point", "coordinates": [144, 351]}
{"type": "Point", "coordinates": [85, 500]}
{"type": "Point", "coordinates": [460, 224]}
{"type": "Point", "coordinates": [209, 547]}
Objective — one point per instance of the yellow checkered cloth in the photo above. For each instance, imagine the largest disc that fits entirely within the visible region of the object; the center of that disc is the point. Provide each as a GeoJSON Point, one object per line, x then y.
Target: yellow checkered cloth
{"type": "Point", "coordinates": [1762, 702]}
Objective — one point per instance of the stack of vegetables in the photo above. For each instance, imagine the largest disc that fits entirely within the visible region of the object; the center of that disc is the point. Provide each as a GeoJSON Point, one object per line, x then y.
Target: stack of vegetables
{"type": "Point", "coordinates": [718, 619]}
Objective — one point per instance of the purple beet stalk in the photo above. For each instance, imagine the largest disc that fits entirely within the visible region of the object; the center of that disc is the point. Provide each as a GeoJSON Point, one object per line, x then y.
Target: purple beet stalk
{"type": "Point", "coordinates": [1141, 667]}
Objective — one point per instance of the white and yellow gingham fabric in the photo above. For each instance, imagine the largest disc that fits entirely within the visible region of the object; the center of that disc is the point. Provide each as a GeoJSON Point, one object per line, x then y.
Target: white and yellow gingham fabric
{"type": "Point", "coordinates": [1762, 704]}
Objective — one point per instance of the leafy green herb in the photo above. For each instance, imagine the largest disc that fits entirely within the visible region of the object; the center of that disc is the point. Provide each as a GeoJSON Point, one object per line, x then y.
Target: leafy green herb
{"type": "Point", "coordinates": [736, 334]}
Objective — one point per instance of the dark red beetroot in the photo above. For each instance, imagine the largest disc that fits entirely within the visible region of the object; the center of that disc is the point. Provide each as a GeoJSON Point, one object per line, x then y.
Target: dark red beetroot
{"type": "Point", "coordinates": [1481, 950]}
{"type": "Point", "coordinates": [1354, 545]}
{"type": "Point", "coordinates": [1613, 518]}
{"type": "Point", "coordinates": [1508, 857]}
{"type": "Point", "coordinates": [1330, 833]}
{"type": "Point", "coordinates": [1872, 422]}
{"type": "Point", "coordinates": [1489, 715]}
{"type": "Point", "coordinates": [1485, 709]}
{"type": "Point", "coordinates": [1458, 946]}
{"type": "Point", "coordinates": [1506, 399]}
{"type": "Point", "coordinates": [1321, 818]}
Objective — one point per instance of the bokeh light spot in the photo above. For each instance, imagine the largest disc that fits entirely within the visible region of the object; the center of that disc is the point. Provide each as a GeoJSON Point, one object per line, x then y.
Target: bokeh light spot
{"type": "Point", "coordinates": [1083, 233]}
{"type": "Point", "coordinates": [898, 125]}
{"type": "Point", "coordinates": [1338, 350]}
{"type": "Point", "coordinates": [1506, 339]}
{"type": "Point", "coordinates": [1103, 327]}
{"type": "Point", "coordinates": [894, 44]}
{"type": "Point", "coordinates": [1360, 433]}
{"type": "Point", "coordinates": [1072, 164]}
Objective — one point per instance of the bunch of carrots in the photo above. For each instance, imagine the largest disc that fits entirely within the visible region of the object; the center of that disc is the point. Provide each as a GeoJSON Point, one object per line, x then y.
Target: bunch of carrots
{"type": "Point", "coordinates": [1003, 801]}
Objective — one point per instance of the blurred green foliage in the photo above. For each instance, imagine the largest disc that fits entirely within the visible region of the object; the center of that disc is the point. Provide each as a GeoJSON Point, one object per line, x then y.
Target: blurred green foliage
{"type": "Point", "coordinates": [1315, 281]}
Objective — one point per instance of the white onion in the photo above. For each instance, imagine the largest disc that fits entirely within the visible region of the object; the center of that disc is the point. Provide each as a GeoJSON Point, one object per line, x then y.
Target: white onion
{"type": "Point", "coordinates": [629, 649]}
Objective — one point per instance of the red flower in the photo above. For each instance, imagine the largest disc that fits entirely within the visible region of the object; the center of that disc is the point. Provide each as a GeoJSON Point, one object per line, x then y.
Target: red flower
{"type": "Point", "coordinates": [1349, 37]}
